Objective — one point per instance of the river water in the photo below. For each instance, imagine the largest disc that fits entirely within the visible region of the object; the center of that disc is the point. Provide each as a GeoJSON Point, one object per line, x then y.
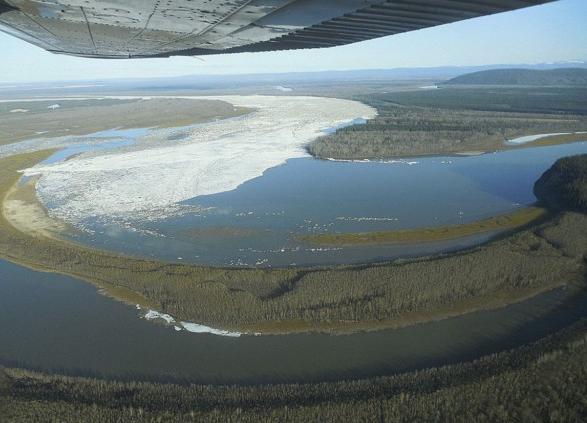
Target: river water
{"type": "Point", "coordinates": [58, 324]}
{"type": "Point", "coordinates": [260, 222]}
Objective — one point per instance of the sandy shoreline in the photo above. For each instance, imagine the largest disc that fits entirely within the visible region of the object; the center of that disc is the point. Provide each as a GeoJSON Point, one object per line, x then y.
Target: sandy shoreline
{"type": "Point", "coordinates": [22, 209]}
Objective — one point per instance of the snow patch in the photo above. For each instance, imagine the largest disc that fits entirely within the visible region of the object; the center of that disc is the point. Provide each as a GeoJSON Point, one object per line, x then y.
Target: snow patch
{"type": "Point", "coordinates": [187, 326]}
{"type": "Point", "coordinates": [368, 219]}
{"type": "Point", "coordinates": [195, 328]}
{"type": "Point", "coordinates": [530, 138]}
{"type": "Point", "coordinates": [153, 315]}
{"type": "Point", "coordinates": [399, 161]}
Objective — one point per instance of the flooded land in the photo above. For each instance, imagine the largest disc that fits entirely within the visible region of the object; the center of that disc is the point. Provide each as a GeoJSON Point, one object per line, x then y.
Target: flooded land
{"type": "Point", "coordinates": [227, 245]}
{"type": "Point", "coordinates": [278, 218]}
{"type": "Point", "coordinates": [24, 119]}
{"type": "Point", "coordinates": [235, 211]}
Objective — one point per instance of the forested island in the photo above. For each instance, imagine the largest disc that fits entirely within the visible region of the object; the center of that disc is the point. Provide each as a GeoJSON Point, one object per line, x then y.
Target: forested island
{"type": "Point", "coordinates": [564, 185]}
{"type": "Point", "coordinates": [451, 120]}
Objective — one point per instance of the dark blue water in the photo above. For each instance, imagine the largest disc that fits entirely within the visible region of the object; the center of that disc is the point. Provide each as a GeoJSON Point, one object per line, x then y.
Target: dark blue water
{"type": "Point", "coordinates": [259, 222]}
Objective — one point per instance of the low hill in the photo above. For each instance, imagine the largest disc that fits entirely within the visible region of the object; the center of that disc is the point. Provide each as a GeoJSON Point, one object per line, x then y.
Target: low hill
{"type": "Point", "coordinates": [564, 185]}
{"type": "Point", "coordinates": [563, 76]}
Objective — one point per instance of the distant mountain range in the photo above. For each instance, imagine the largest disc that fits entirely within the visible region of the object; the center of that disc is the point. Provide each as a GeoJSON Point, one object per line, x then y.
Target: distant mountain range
{"type": "Point", "coordinates": [563, 76]}
{"type": "Point", "coordinates": [439, 73]}
{"type": "Point", "coordinates": [291, 79]}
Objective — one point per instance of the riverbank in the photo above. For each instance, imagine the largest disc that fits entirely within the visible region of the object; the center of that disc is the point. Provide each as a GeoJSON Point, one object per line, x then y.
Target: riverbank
{"type": "Point", "coordinates": [488, 145]}
{"type": "Point", "coordinates": [336, 300]}
{"type": "Point", "coordinates": [455, 121]}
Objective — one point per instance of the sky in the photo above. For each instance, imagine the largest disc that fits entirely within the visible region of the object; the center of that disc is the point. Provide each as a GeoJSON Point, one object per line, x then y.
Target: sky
{"type": "Point", "coordinates": [552, 32]}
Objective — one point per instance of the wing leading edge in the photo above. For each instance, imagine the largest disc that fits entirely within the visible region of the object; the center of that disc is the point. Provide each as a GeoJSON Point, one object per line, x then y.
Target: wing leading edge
{"type": "Point", "coordinates": [162, 28]}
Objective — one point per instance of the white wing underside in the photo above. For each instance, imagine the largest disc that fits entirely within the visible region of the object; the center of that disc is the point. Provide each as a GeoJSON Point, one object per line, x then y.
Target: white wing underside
{"type": "Point", "coordinates": [161, 28]}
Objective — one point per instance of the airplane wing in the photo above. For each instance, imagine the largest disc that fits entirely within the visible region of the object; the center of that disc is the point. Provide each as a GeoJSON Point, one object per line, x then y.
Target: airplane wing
{"type": "Point", "coordinates": [162, 28]}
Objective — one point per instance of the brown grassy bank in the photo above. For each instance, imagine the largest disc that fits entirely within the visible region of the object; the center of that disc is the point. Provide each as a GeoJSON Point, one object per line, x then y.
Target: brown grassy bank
{"type": "Point", "coordinates": [81, 117]}
{"type": "Point", "coordinates": [511, 220]}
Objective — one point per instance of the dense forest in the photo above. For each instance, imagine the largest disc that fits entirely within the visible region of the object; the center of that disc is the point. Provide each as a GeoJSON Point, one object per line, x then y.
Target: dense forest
{"type": "Point", "coordinates": [539, 77]}
{"type": "Point", "coordinates": [547, 101]}
{"type": "Point", "coordinates": [564, 185]}
{"type": "Point", "coordinates": [453, 120]}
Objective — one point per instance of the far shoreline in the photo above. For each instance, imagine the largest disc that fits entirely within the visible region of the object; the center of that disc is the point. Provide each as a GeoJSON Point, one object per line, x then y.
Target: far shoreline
{"type": "Point", "coordinates": [492, 147]}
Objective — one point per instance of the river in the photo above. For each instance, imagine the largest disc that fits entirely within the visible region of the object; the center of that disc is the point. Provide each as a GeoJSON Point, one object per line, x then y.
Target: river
{"type": "Point", "coordinates": [58, 324]}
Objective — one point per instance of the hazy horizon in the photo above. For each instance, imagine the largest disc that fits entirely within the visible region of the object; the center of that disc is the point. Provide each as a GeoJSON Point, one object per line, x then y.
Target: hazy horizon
{"type": "Point", "coordinates": [553, 32]}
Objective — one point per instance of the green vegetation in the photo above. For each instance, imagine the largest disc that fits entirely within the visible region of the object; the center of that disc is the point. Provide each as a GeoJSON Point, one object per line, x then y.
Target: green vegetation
{"type": "Point", "coordinates": [339, 299]}
{"type": "Point", "coordinates": [570, 102]}
{"type": "Point", "coordinates": [507, 221]}
{"type": "Point", "coordinates": [454, 120]}
{"type": "Point", "coordinates": [542, 381]}
{"type": "Point", "coordinates": [564, 185]}
{"type": "Point", "coordinates": [562, 77]}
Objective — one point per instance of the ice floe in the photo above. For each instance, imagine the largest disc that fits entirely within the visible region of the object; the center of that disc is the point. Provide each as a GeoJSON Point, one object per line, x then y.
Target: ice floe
{"type": "Point", "coordinates": [393, 161]}
{"type": "Point", "coordinates": [368, 219]}
{"type": "Point", "coordinates": [215, 157]}
{"type": "Point", "coordinates": [530, 138]}
{"type": "Point", "coordinates": [187, 326]}
{"type": "Point", "coordinates": [153, 315]}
